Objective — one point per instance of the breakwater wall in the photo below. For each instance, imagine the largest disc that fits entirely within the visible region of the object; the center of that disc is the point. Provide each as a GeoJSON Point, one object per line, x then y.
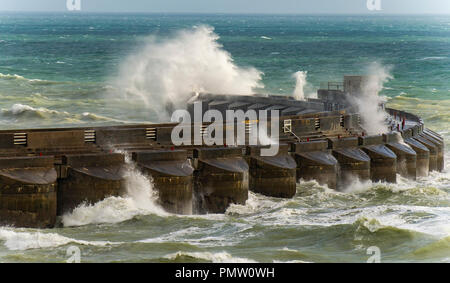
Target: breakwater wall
{"type": "Point", "coordinates": [45, 173]}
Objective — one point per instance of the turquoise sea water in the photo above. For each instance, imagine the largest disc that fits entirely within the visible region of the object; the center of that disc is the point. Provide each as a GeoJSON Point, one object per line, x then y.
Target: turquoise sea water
{"type": "Point", "coordinates": [60, 70]}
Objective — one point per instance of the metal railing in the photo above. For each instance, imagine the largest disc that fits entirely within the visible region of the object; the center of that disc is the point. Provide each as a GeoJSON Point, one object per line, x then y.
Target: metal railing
{"type": "Point", "coordinates": [332, 85]}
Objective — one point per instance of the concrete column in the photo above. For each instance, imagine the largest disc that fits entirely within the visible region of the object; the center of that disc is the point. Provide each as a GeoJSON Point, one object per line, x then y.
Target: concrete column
{"type": "Point", "coordinates": [433, 151]}
{"type": "Point", "coordinates": [89, 178]}
{"type": "Point", "coordinates": [315, 162]}
{"type": "Point", "coordinates": [272, 175]}
{"type": "Point", "coordinates": [423, 157]}
{"type": "Point", "coordinates": [172, 177]}
{"type": "Point", "coordinates": [353, 162]}
{"type": "Point", "coordinates": [433, 134]}
{"type": "Point", "coordinates": [440, 149]}
{"type": "Point", "coordinates": [406, 156]}
{"type": "Point", "coordinates": [220, 179]}
{"type": "Point", "coordinates": [28, 192]}
{"type": "Point", "coordinates": [383, 161]}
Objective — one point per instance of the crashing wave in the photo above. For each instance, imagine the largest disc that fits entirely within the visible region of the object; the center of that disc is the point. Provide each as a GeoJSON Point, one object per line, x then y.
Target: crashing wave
{"type": "Point", "coordinates": [140, 199]}
{"type": "Point", "coordinates": [22, 78]}
{"type": "Point", "coordinates": [219, 257]}
{"type": "Point", "coordinates": [26, 112]}
{"type": "Point", "coordinates": [23, 240]}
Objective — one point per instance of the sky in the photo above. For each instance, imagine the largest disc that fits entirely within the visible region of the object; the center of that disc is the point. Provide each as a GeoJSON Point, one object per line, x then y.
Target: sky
{"type": "Point", "coordinates": [237, 6]}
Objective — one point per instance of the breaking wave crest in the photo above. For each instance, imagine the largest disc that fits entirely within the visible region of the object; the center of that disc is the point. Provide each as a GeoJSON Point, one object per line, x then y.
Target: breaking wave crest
{"type": "Point", "coordinates": [19, 112]}
{"type": "Point", "coordinates": [218, 257]}
{"type": "Point", "coordinates": [432, 58]}
{"type": "Point", "coordinates": [21, 240]}
{"type": "Point", "coordinates": [25, 111]}
{"type": "Point", "coordinates": [20, 78]}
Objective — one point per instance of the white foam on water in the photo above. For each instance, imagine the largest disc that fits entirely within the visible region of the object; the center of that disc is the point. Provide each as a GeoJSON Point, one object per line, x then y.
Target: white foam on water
{"type": "Point", "coordinates": [211, 236]}
{"type": "Point", "coordinates": [22, 78]}
{"type": "Point", "coordinates": [435, 224]}
{"type": "Point", "coordinates": [202, 241]}
{"type": "Point", "coordinates": [18, 109]}
{"type": "Point", "coordinates": [299, 211]}
{"type": "Point", "coordinates": [286, 249]}
{"type": "Point", "coordinates": [175, 236]}
{"type": "Point", "coordinates": [291, 261]}
{"type": "Point", "coordinates": [20, 239]}
{"type": "Point", "coordinates": [140, 199]}
{"type": "Point", "coordinates": [319, 206]}
{"type": "Point", "coordinates": [254, 204]}
{"type": "Point", "coordinates": [358, 186]}
{"type": "Point", "coordinates": [209, 216]}
{"type": "Point", "coordinates": [218, 257]}
{"type": "Point", "coordinates": [27, 112]}
{"type": "Point", "coordinates": [440, 181]}
{"type": "Point", "coordinates": [432, 58]}
{"type": "Point", "coordinates": [11, 77]}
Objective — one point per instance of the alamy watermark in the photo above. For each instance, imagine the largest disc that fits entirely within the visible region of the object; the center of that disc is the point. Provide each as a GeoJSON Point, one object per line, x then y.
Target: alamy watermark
{"type": "Point", "coordinates": [73, 5]}
{"type": "Point", "coordinates": [375, 254]}
{"type": "Point", "coordinates": [374, 5]}
{"type": "Point", "coordinates": [251, 124]}
{"type": "Point", "coordinates": [74, 254]}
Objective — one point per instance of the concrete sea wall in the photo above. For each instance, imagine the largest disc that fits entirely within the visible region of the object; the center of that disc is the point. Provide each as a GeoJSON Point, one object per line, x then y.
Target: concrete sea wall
{"type": "Point", "coordinates": [48, 172]}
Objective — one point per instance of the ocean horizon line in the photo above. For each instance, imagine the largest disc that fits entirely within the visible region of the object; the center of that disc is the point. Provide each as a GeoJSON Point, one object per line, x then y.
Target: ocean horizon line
{"type": "Point", "coordinates": [83, 12]}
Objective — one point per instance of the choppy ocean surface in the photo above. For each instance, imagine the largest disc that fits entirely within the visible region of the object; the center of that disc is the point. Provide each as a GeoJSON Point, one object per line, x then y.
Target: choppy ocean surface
{"type": "Point", "coordinates": [59, 70]}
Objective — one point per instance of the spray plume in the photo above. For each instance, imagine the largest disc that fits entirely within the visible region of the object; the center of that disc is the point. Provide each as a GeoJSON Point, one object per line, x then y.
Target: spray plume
{"type": "Point", "coordinates": [368, 103]}
{"type": "Point", "coordinates": [166, 72]}
{"type": "Point", "coordinates": [300, 78]}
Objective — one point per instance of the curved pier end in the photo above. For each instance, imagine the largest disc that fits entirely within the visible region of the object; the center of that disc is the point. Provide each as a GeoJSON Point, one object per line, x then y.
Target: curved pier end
{"type": "Point", "coordinates": [315, 162]}
{"type": "Point", "coordinates": [406, 156]}
{"type": "Point", "coordinates": [439, 143]}
{"type": "Point", "coordinates": [220, 179]}
{"type": "Point", "coordinates": [423, 157]}
{"type": "Point", "coordinates": [383, 161]}
{"type": "Point", "coordinates": [172, 177]}
{"type": "Point", "coordinates": [433, 151]}
{"type": "Point", "coordinates": [433, 134]}
{"type": "Point", "coordinates": [89, 178]}
{"type": "Point", "coordinates": [28, 192]}
{"type": "Point", "coordinates": [272, 175]}
{"type": "Point", "coordinates": [353, 162]}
